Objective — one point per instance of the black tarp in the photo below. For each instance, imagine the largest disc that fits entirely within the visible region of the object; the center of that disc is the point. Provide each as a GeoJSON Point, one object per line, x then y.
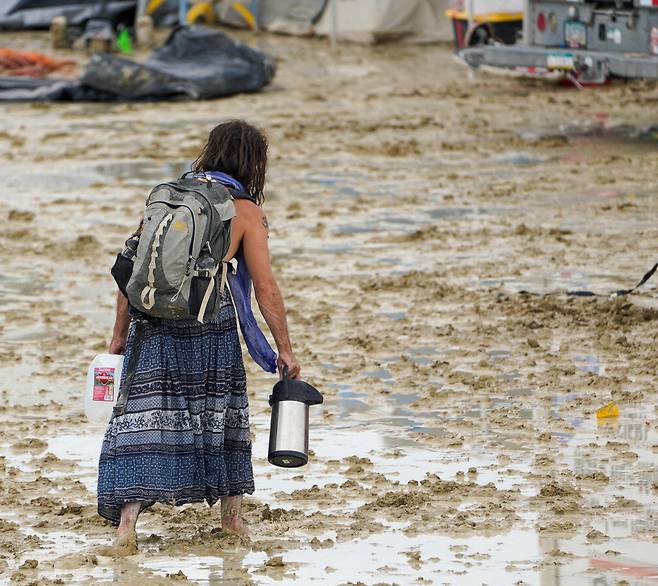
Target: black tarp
{"type": "Point", "coordinates": [37, 14]}
{"type": "Point", "coordinates": [195, 63]}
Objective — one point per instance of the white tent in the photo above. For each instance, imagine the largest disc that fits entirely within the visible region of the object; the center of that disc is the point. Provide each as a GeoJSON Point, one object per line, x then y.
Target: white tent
{"type": "Point", "coordinates": [295, 17]}
{"type": "Point", "coordinates": [372, 21]}
{"type": "Point", "coordinates": [362, 21]}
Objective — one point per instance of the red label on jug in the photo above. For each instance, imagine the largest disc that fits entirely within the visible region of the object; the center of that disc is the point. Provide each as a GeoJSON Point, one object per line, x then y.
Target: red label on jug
{"type": "Point", "coordinates": [103, 384]}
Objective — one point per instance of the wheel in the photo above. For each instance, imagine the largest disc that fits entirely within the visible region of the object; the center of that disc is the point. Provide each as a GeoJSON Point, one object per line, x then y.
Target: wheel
{"type": "Point", "coordinates": [481, 35]}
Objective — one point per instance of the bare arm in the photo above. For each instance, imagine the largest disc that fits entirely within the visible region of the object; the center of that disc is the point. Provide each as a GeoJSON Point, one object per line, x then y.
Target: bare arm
{"type": "Point", "coordinates": [252, 225]}
{"type": "Point", "coordinates": [121, 323]}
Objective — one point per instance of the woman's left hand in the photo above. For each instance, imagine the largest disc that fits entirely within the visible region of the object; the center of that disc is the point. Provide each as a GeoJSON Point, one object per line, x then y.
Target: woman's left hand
{"type": "Point", "coordinates": [118, 345]}
{"type": "Point", "coordinates": [287, 358]}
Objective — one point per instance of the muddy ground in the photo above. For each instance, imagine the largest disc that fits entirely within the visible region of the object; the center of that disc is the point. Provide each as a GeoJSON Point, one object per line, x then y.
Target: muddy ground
{"type": "Point", "coordinates": [425, 226]}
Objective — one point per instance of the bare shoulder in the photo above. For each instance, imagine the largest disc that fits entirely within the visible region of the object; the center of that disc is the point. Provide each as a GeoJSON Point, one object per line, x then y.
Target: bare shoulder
{"type": "Point", "coordinates": [251, 214]}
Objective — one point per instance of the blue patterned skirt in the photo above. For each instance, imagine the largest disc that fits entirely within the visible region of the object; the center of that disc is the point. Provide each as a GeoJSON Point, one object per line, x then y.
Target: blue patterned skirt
{"type": "Point", "coordinates": [185, 434]}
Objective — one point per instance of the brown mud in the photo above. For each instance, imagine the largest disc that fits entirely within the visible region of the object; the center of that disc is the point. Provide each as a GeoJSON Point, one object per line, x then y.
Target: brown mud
{"type": "Point", "coordinates": [425, 224]}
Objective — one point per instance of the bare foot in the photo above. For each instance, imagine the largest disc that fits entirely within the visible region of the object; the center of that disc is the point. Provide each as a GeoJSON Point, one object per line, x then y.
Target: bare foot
{"type": "Point", "coordinates": [124, 545]}
{"type": "Point", "coordinates": [236, 526]}
{"type": "Point", "coordinates": [232, 521]}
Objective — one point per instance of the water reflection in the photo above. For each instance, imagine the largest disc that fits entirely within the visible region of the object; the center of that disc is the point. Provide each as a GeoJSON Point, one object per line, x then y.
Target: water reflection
{"type": "Point", "coordinates": [227, 568]}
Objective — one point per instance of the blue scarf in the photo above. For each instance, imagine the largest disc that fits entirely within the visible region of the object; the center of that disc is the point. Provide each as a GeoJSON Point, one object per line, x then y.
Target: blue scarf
{"type": "Point", "coordinates": [240, 285]}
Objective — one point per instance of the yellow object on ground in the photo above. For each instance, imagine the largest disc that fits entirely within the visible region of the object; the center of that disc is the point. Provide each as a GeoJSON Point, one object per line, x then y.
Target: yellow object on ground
{"type": "Point", "coordinates": [246, 14]}
{"type": "Point", "coordinates": [201, 11]}
{"type": "Point", "coordinates": [610, 410]}
{"type": "Point", "coordinates": [152, 6]}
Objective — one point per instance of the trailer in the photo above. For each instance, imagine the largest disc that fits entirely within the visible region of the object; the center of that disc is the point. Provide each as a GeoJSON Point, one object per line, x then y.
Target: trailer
{"type": "Point", "coordinates": [587, 41]}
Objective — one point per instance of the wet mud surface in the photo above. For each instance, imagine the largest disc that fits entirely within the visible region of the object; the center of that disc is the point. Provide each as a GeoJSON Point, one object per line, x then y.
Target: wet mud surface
{"type": "Point", "coordinates": [425, 225]}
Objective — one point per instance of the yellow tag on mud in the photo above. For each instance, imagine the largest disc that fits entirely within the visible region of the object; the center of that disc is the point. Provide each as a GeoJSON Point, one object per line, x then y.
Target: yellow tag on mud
{"type": "Point", "coordinates": [610, 410]}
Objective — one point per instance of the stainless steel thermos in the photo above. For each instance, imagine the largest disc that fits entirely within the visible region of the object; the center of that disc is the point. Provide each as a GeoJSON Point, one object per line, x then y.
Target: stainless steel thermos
{"type": "Point", "coordinates": [290, 401]}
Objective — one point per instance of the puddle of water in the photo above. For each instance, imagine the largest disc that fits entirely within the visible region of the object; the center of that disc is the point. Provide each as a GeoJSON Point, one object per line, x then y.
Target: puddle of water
{"type": "Point", "coordinates": [394, 315]}
{"type": "Point", "coordinates": [423, 355]}
{"type": "Point", "coordinates": [594, 141]}
{"type": "Point", "coordinates": [564, 280]}
{"type": "Point", "coordinates": [212, 570]}
{"type": "Point", "coordinates": [65, 179]}
{"type": "Point", "coordinates": [328, 366]}
{"type": "Point", "coordinates": [351, 402]}
{"type": "Point", "coordinates": [589, 363]}
{"type": "Point", "coordinates": [404, 398]}
{"type": "Point", "coordinates": [519, 158]}
{"type": "Point", "coordinates": [381, 434]}
{"type": "Point", "coordinates": [357, 229]}
{"type": "Point", "coordinates": [477, 560]}
{"type": "Point", "coordinates": [519, 393]}
{"type": "Point", "coordinates": [84, 450]}
{"type": "Point", "coordinates": [622, 134]}
{"type": "Point", "coordinates": [599, 131]}
{"type": "Point", "coordinates": [498, 355]}
{"type": "Point", "coordinates": [451, 213]}
{"type": "Point", "coordinates": [382, 374]}
{"type": "Point", "coordinates": [146, 171]}
{"type": "Point", "coordinates": [510, 376]}
{"type": "Point", "coordinates": [423, 350]}
{"type": "Point", "coordinates": [49, 180]}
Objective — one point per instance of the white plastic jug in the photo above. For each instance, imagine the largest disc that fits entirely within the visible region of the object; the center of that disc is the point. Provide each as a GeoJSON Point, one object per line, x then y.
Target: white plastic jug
{"type": "Point", "coordinates": [103, 380]}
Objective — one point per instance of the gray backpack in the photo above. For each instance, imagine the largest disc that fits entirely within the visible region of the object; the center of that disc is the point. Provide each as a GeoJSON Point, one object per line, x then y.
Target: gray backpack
{"type": "Point", "coordinates": [185, 236]}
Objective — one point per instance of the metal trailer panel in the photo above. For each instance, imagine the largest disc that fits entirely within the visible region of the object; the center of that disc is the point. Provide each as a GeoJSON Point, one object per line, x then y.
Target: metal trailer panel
{"type": "Point", "coordinates": [579, 36]}
{"type": "Point", "coordinates": [605, 29]}
{"type": "Point", "coordinates": [598, 62]}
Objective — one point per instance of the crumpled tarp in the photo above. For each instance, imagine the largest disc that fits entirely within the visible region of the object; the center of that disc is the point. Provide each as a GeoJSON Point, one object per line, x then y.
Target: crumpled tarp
{"type": "Point", "coordinates": [195, 63]}
{"type": "Point", "coordinates": [37, 14]}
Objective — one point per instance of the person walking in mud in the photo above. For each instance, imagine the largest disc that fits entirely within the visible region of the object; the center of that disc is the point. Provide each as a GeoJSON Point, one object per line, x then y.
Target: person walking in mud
{"type": "Point", "coordinates": [180, 431]}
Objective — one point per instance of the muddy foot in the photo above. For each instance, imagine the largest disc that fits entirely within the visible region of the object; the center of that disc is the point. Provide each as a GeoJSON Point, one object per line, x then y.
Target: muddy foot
{"type": "Point", "coordinates": [124, 546]}
{"type": "Point", "coordinates": [236, 527]}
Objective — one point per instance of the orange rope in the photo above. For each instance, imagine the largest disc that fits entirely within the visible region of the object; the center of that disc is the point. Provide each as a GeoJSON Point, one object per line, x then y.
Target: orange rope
{"type": "Point", "coordinates": [30, 63]}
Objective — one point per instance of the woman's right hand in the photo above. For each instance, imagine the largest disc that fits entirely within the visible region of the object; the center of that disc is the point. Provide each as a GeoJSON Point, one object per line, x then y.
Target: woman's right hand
{"type": "Point", "coordinates": [121, 326]}
{"type": "Point", "coordinates": [288, 359]}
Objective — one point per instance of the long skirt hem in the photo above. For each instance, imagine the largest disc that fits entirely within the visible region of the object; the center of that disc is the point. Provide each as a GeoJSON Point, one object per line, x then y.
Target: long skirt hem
{"type": "Point", "coordinates": [110, 509]}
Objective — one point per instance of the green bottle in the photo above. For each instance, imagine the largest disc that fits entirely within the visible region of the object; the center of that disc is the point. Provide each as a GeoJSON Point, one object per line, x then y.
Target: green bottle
{"type": "Point", "coordinates": [124, 42]}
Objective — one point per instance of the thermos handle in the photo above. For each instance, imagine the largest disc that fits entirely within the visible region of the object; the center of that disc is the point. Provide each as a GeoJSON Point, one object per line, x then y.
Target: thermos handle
{"type": "Point", "coordinates": [294, 390]}
{"type": "Point", "coordinates": [285, 379]}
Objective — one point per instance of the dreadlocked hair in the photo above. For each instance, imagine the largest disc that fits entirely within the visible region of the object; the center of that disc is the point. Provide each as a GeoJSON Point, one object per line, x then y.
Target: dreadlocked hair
{"type": "Point", "coordinates": [239, 149]}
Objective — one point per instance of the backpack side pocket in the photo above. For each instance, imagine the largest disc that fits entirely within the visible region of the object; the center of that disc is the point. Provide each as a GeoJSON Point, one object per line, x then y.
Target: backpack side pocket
{"type": "Point", "coordinates": [203, 301]}
{"type": "Point", "coordinates": [122, 269]}
{"type": "Point", "coordinates": [198, 288]}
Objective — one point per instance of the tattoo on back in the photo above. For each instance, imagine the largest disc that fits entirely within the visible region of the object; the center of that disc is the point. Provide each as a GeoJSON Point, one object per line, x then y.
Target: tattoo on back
{"type": "Point", "coordinates": [266, 225]}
